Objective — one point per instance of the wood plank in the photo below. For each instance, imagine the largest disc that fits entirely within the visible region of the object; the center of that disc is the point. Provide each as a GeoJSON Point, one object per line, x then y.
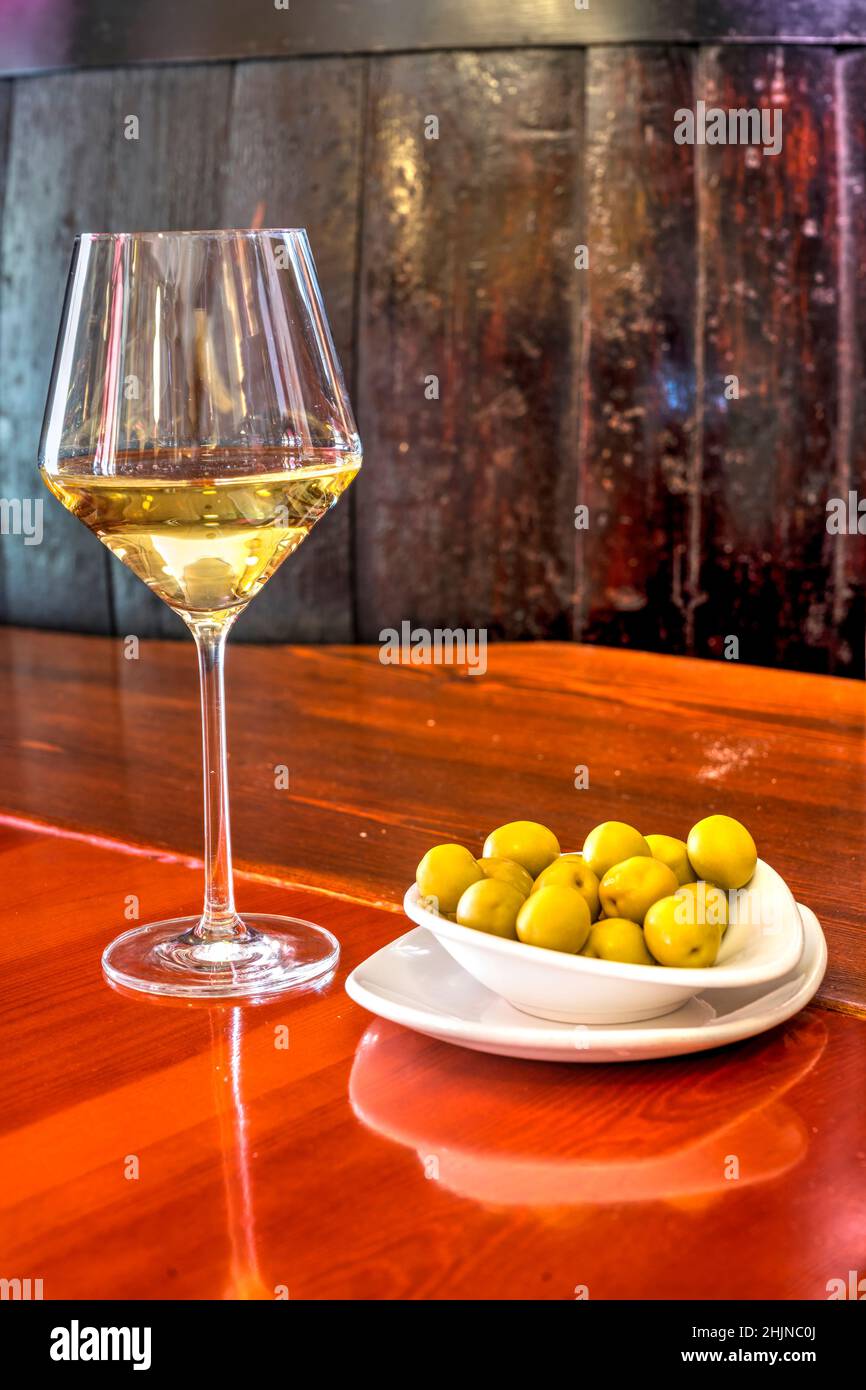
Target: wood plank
{"type": "Point", "coordinates": [466, 515]}
{"type": "Point", "coordinates": [638, 394]}
{"type": "Point", "coordinates": [7, 542]}
{"type": "Point", "coordinates": [310, 1164]}
{"type": "Point", "coordinates": [385, 761]}
{"type": "Point", "coordinates": [60, 142]}
{"type": "Point", "coordinates": [849, 550]}
{"type": "Point", "coordinates": [295, 161]}
{"type": "Point", "coordinates": [769, 248]}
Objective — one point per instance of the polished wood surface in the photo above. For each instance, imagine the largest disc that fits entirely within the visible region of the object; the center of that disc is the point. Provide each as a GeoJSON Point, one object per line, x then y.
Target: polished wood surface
{"type": "Point", "coordinates": [385, 760]}
{"type": "Point", "coordinates": [160, 1150]}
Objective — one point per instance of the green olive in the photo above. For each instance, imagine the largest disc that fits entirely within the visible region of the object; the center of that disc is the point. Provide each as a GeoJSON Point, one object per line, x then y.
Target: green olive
{"type": "Point", "coordinates": [556, 917]}
{"type": "Point", "coordinates": [617, 938]}
{"type": "Point", "coordinates": [610, 843]}
{"type": "Point", "coordinates": [570, 869]}
{"type": "Point", "coordinates": [508, 872]}
{"type": "Point", "coordinates": [676, 942]}
{"type": "Point", "coordinates": [444, 874]}
{"type": "Point", "coordinates": [492, 906]}
{"type": "Point", "coordinates": [668, 850]}
{"type": "Point", "coordinates": [723, 851]}
{"type": "Point", "coordinates": [526, 842]}
{"type": "Point", "coordinates": [629, 889]}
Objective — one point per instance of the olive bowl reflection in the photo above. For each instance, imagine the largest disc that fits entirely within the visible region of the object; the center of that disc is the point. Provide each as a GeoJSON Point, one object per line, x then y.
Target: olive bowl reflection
{"type": "Point", "coordinates": [509, 1132]}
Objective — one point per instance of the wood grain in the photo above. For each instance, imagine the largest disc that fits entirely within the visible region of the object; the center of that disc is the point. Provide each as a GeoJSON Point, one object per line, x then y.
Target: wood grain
{"type": "Point", "coordinates": [385, 761]}
{"type": "Point", "coordinates": [294, 160]}
{"type": "Point", "coordinates": [59, 147]}
{"type": "Point", "coordinates": [363, 1161]}
{"type": "Point", "coordinates": [848, 559]}
{"type": "Point", "coordinates": [638, 392]}
{"type": "Point", "coordinates": [769, 254]}
{"type": "Point", "coordinates": [466, 514]}
{"type": "Point", "coordinates": [5, 431]}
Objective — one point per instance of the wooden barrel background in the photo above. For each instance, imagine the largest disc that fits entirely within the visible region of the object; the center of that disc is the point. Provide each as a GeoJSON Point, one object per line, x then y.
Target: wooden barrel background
{"type": "Point", "coordinates": [501, 379]}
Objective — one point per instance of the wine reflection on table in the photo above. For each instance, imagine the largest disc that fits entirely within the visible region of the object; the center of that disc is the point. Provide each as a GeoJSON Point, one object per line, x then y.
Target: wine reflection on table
{"type": "Point", "coordinates": [504, 1132]}
{"type": "Point", "coordinates": [227, 1025]}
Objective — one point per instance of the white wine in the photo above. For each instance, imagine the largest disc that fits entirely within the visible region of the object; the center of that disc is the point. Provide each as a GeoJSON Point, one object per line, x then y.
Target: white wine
{"type": "Point", "coordinates": [207, 545]}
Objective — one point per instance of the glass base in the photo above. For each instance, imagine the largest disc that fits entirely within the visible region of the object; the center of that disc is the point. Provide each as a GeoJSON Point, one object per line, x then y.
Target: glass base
{"type": "Point", "coordinates": [278, 954]}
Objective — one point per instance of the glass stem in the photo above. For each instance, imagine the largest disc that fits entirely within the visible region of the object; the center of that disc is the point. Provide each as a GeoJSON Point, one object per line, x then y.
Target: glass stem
{"type": "Point", "coordinates": [219, 920]}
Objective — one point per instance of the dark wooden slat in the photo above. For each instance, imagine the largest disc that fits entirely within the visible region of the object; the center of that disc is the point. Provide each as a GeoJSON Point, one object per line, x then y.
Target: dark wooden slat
{"type": "Point", "coordinates": [6, 542]}
{"type": "Point", "coordinates": [769, 250]}
{"type": "Point", "coordinates": [638, 396]}
{"type": "Point", "coordinates": [102, 32]}
{"type": "Point", "coordinates": [295, 161]}
{"type": "Point", "coordinates": [466, 512]}
{"type": "Point", "coordinates": [849, 551]}
{"type": "Point", "coordinates": [55, 187]}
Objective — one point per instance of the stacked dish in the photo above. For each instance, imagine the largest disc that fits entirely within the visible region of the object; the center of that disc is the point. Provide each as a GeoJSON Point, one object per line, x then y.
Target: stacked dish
{"type": "Point", "coordinates": [501, 994]}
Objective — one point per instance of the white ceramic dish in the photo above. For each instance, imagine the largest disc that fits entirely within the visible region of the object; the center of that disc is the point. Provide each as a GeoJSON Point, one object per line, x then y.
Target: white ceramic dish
{"type": "Point", "coordinates": [765, 943]}
{"type": "Point", "coordinates": [415, 982]}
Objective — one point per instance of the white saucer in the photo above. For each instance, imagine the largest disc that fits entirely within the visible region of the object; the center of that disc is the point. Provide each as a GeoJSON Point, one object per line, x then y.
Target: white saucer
{"type": "Point", "coordinates": [415, 982]}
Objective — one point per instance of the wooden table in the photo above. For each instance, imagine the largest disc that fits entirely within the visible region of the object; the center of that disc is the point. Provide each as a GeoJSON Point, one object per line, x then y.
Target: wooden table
{"type": "Point", "coordinates": [164, 1151]}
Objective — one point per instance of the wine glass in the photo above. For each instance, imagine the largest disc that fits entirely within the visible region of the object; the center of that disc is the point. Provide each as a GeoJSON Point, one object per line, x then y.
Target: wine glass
{"type": "Point", "coordinates": [198, 422]}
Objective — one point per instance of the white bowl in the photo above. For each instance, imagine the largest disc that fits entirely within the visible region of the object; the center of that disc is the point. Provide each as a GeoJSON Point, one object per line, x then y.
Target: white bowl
{"type": "Point", "coordinates": [764, 943]}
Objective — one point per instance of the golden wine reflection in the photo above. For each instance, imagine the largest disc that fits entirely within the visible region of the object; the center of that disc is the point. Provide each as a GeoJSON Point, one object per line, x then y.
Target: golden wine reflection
{"type": "Point", "coordinates": [245, 1279]}
{"type": "Point", "coordinates": [233, 1088]}
{"type": "Point", "coordinates": [505, 1132]}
